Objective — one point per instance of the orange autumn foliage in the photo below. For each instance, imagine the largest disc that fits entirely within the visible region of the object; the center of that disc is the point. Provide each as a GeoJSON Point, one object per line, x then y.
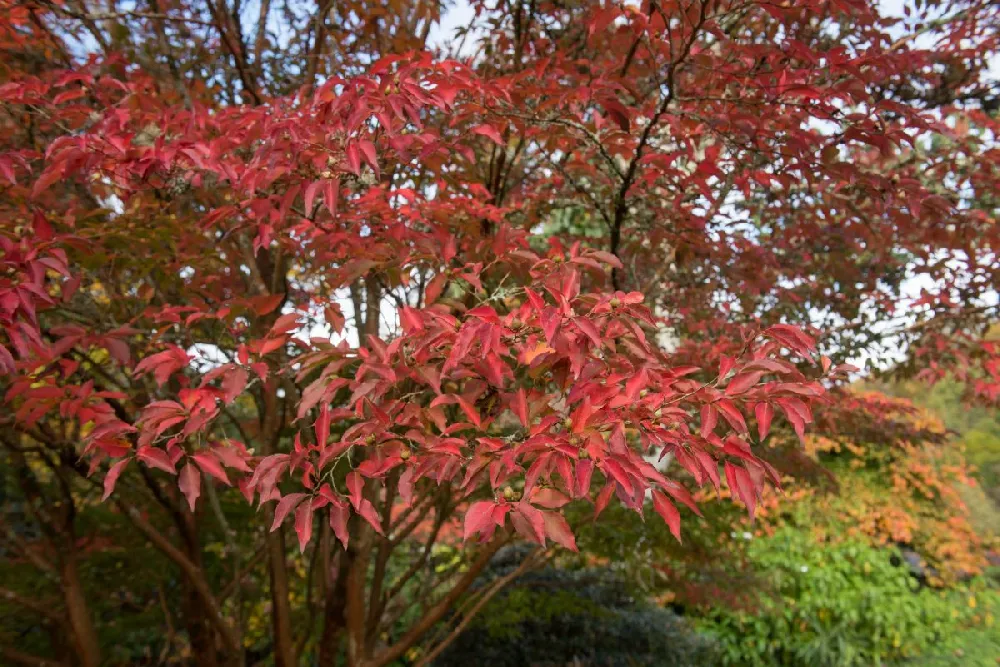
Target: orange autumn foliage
{"type": "Point", "coordinates": [898, 476]}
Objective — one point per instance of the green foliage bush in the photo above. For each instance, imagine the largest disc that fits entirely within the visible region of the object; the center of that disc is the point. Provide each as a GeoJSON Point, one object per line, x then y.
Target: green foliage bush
{"type": "Point", "coordinates": [976, 642]}
{"type": "Point", "coordinates": [831, 605]}
{"type": "Point", "coordinates": [587, 617]}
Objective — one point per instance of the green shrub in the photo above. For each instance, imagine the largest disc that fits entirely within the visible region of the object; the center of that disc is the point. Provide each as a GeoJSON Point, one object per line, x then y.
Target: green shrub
{"type": "Point", "coordinates": [830, 605]}
{"type": "Point", "coordinates": [558, 617]}
{"type": "Point", "coordinates": [975, 642]}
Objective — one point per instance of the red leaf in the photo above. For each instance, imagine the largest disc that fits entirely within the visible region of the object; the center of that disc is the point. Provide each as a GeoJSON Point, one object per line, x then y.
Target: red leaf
{"type": "Point", "coordinates": [154, 457]}
{"type": "Point", "coordinates": [528, 522]}
{"type": "Point", "coordinates": [588, 328]}
{"type": "Point", "coordinates": [52, 173]}
{"type": "Point", "coordinates": [602, 499]}
{"type": "Point", "coordinates": [7, 171]}
{"type": "Point", "coordinates": [478, 517]}
{"type": "Point", "coordinates": [558, 530]}
{"type": "Point", "coordinates": [231, 457]}
{"type": "Point", "coordinates": [607, 258]}
{"type": "Point", "coordinates": [163, 364]}
{"type": "Point", "coordinates": [584, 472]}
{"type": "Point", "coordinates": [118, 349]}
{"type": "Point", "coordinates": [434, 288]}
{"type": "Point", "coordinates": [112, 477]}
{"type": "Point", "coordinates": [331, 189]}
{"type": "Point", "coordinates": [637, 383]}
{"type": "Point", "coordinates": [489, 132]}
{"type": "Point", "coordinates": [190, 484]}
{"type": "Point", "coordinates": [234, 383]}
{"type": "Point", "coordinates": [725, 365]}
{"type": "Point", "coordinates": [618, 113]}
{"type": "Point", "coordinates": [368, 513]}
{"type": "Point", "coordinates": [742, 486]}
{"type": "Point", "coordinates": [6, 360]}
{"type": "Point", "coordinates": [406, 486]}
{"type": "Point", "coordinates": [410, 319]}
{"type": "Point", "coordinates": [521, 406]}
{"type": "Point", "coordinates": [494, 369]}
{"type": "Point", "coordinates": [271, 345]}
{"type": "Point", "coordinates": [353, 159]}
{"type": "Point", "coordinates": [764, 413]}
{"type": "Point", "coordinates": [470, 411]}
{"type": "Point", "coordinates": [614, 470]}
{"type": "Point", "coordinates": [284, 506]}
{"type": "Point", "coordinates": [323, 426]}
{"type": "Point", "coordinates": [285, 323]}
{"type": "Point", "coordinates": [263, 305]}
{"type": "Point", "coordinates": [535, 300]}
{"type": "Point", "coordinates": [304, 524]}
{"type": "Point", "coordinates": [549, 497]}
{"type": "Point", "coordinates": [211, 465]}
{"type": "Point", "coordinates": [709, 418]}
{"type": "Point", "coordinates": [682, 495]}
{"type": "Point", "coordinates": [368, 148]}
{"type": "Point", "coordinates": [666, 509]}
{"type": "Point", "coordinates": [310, 196]}
{"type": "Point", "coordinates": [748, 490]}
{"type": "Point", "coordinates": [742, 382]}
{"type": "Point", "coordinates": [355, 487]}
{"type": "Point", "coordinates": [601, 19]}
{"type": "Point", "coordinates": [798, 414]}
{"type": "Point", "coordinates": [710, 465]}
{"type": "Point", "coordinates": [339, 514]}
{"type": "Point", "coordinates": [793, 338]}
{"type": "Point", "coordinates": [535, 517]}
{"type": "Point", "coordinates": [42, 228]}
{"type": "Point", "coordinates": [732, 414]}
{"type": "Point", "coordinates": [334, 317]}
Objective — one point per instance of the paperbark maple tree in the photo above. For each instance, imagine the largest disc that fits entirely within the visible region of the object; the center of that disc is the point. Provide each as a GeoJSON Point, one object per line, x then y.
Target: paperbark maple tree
{"type": "Point", "coordinates": [196, 197]}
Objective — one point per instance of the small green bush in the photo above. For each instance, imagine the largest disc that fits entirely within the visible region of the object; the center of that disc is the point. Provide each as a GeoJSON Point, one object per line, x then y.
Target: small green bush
{"type": "Point", "coordinates": [840, 605]}
{"type": "Point", "coordinates": [557, 617]}
{"type": "Point", "coordinates": [975, 642]}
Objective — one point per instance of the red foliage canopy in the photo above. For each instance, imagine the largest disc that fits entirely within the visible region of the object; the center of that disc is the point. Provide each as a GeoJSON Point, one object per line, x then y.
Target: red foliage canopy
{"type": "Point", "coordinates": [595, 242]}
{"type": "Point", "coordinates": [575, 367]}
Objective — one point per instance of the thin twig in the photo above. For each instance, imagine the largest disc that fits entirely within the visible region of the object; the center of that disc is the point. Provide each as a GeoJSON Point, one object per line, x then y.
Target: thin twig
{"type": "Point", "coordinates": [528, 563]}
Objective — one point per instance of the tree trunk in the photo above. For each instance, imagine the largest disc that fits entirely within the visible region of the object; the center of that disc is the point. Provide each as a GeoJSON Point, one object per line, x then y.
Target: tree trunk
{"type": "Point", "coordinates": [200, 631]}
{"type": "Point", "coordinates": [84, 636]}
{"type": "Point", "coordinates": [334, 619]}
{"type": "Point", "coordinates": [357, 612]}
{"type": "Point", "coordinates": [281, 612]}
{"type": "Point", "coordinates": [281, 618]}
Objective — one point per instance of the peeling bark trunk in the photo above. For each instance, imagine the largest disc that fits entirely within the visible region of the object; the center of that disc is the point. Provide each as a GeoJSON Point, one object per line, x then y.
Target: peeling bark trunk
{"type": "Point", "coordinates": [200, 632]}
{"type": "Point", "coordinates": [281, 613]}
{"type": "Point", "coordinates": [199, 627]}
{"type": "Point", "coordinates": [281, 618]}
{"type": "Point", "coordinates": [334, 618]}
{"type": "Point", "coordinates": [84, 635]}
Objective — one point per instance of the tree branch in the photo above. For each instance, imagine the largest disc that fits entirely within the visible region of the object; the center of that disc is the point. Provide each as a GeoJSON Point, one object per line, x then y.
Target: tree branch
{"type": "Point", "coordinates": [630, 173]}
{"type": "Point", "coordinates": [20, 658]}
{"type": "Point", "coordinates": [114, 16]}
{"type": "Point", "coordinates": [435, 613]}
{"type": "Point", "coordinates": [190, 570]}
{"type": "Point", "coordinates": [48, 610]}
{"type": "Point", "coordinates": [528, 563]}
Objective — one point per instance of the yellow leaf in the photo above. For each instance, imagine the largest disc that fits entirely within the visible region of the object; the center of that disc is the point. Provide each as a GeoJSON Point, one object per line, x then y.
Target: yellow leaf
{"type": "Point", "coordinates": [539, 350]}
